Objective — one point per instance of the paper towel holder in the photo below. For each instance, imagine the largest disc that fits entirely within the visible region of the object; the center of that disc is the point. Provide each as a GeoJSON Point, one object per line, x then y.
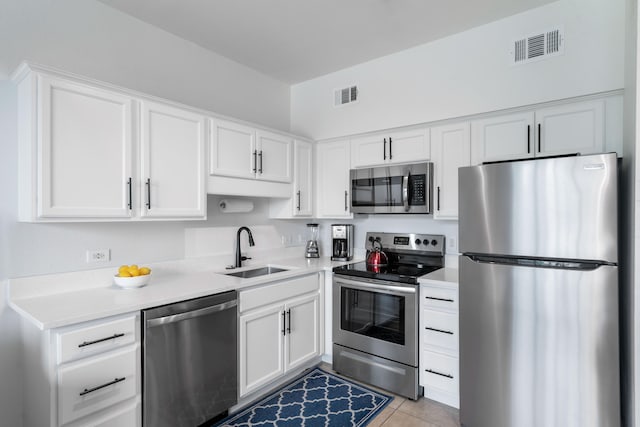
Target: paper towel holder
{"type": "Point", "coordinates": [235, 205]}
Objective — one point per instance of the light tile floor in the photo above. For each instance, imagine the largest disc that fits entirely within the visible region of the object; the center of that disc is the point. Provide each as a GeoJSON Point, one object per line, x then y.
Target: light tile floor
{"type": "Point", "coordinates": [402, 412]}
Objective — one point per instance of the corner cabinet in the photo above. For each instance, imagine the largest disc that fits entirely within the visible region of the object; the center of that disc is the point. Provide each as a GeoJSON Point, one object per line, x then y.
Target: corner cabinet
{"type": "Point", "coordinates": [78, 144]}
{"type": "Point", "coordinates": [399, 146]}
{"type": "Point", "coordinates": [332, 177]}
{"type": "Point", "coordinates": [241, 151]}
{"type": "Point", "coordinates": [84, 375]}
{"type": "Point", "coordinates": [564, 129]}
{"type": "Point", "coordinates": [451, 150]}
{"type": "Point", "coordinates": [172, 162]}
{"type": "Point", "coordinates": [300, 204]}
{"type": "Point", "coordinates": [279, 330]}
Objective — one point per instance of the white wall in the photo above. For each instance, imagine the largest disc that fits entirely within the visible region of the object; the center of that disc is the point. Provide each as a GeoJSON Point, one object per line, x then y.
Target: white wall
{"type": "Point", "coordinates": [470, 73]}
{"type": "Point", "coordinates": [91, 39]}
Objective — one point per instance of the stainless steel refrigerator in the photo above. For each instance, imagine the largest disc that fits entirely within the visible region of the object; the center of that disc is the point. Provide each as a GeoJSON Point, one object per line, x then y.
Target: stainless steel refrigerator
{"type": "Point", "coordinates": [539, 293]}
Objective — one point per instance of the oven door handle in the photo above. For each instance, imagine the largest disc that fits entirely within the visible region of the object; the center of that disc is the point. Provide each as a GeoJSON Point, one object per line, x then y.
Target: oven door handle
{"type": "Point", "coordinates": [405, 192]}
{"type": "Point", "coordinates": [367, 286]}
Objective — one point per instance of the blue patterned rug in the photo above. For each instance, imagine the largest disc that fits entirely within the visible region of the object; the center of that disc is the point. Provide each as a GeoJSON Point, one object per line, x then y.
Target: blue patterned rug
{"type": "Point", "coordinates": [313, 400]}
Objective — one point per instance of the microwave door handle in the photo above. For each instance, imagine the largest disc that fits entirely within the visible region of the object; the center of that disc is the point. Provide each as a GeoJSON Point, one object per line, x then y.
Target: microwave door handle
{"type": "Point", "coordinates": [405, 192]}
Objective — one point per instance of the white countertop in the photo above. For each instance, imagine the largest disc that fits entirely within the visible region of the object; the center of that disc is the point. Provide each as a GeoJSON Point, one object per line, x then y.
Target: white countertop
{"type": "Point", "coordinates": [447, 276]}
{"type": "Point", "coordinates": [76, 304]}
{"type": "Point", "coordinates": [58, 300]}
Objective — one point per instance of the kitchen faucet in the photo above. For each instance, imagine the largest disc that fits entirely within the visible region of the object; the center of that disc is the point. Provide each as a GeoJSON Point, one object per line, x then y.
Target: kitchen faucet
{"type": "Point", "coordinates": [239, 257]}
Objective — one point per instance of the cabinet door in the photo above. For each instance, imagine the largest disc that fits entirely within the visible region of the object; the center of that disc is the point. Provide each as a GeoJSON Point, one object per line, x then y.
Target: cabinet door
{"type": "Point", "coordinates": [274, 156]}
{"type": "Point", "coordinates": [333, 180]}
{"type": "Point", "coordinates": [303, 340]}
{"type": "Point", "coordinates": [173, 162]}
{"type": "Point", "coordinates": [409, 146]}
{"type": "Point", "coordinates": [232, 149]}
{"type": "Point", "coordinates": [85, 140]}
{"type": "Point", "coordinates": [370, 150]}
{"type": "Point", "coordinates": [303, 179]}
{"type": "Point", "coordinates": [452, 149]}
{"type": "Point", "coordinates": [502, 138]}
{"type": "Point", "coordinates": [572, 128]}
{"type": "Point", "coordinates": [261, 347]}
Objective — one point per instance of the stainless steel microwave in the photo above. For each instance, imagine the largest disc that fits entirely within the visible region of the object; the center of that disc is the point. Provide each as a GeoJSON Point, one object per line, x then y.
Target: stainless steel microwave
{"type": "Point", "coordinates": [392, 189]}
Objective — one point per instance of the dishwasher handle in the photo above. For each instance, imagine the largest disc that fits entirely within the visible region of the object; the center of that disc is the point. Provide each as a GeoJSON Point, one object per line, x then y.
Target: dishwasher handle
{"type": "Point", "coordinates": [191, 314]}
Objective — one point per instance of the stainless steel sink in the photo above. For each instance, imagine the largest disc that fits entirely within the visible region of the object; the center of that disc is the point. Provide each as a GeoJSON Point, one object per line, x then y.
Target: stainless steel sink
{"type": "Point", "coordinates": [256, 272]}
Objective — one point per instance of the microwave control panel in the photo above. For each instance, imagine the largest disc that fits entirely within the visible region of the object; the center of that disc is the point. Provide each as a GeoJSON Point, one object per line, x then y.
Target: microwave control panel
{"type": "Point", "coordinates": [417, 184]}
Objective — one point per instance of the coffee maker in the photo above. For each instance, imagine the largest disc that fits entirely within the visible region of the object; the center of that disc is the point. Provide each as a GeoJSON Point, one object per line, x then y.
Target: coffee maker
{"type": "Point", "coordinates": [341, 242]}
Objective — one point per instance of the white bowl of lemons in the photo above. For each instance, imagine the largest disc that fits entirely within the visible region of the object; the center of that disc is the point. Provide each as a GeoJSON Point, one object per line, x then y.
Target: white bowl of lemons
{"type": "Point", "coordinates": [132, 276]}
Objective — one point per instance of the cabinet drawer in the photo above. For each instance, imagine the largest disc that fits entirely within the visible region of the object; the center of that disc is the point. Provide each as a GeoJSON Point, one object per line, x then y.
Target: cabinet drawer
{"type": "Point", "coordinates": [441, 298]}
{"type": "Point", "coordinates": [439, 371]}
{"type": "Point", "coordinates": [280, 291]}
{"type": "Point", "coordinates": [76, 343]}
{"type": "Point", "coordinates": [440, 329]}
{"type": "Point", "coordinates": [96, 383]}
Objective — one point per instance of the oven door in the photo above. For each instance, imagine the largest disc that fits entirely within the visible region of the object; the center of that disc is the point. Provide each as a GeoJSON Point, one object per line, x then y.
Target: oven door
{"type": "Point", "coordinates": [376, 317]}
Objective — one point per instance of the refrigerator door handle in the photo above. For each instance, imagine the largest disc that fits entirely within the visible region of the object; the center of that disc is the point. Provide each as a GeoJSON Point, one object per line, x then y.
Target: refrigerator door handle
{"type": "Point", "coordinates": [540, 263]}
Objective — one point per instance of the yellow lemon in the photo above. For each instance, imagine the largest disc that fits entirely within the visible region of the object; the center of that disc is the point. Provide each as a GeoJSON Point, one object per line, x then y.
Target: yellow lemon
{"type": "Point", "coordinates": [124, 274]}
{"type": "Point", "coordinates": [144, 271]}
{"type": "Point", "coordinates": [123, 268]}
{"type": "Point", "coordinates": [134, 266]}
{"type": "Point", "coordinates": [134, 272]}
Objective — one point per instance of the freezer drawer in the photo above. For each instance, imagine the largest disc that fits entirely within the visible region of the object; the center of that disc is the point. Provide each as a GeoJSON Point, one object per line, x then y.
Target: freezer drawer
{"type": "Point", "coordinates": [551, 208]}
{"type": "Point", "coordinates": [538, 347]}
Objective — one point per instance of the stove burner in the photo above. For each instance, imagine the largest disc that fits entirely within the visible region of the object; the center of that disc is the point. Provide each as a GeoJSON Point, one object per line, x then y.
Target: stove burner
{"type": "Point", "coordinates": [393, 272]}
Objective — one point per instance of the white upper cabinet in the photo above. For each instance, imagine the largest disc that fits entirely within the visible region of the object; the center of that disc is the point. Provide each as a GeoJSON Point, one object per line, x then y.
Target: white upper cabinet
{"type": "Point", "coordinates": [333, 186]}
{"type": "Point", "coordinates": [451, 150]}
{"type": "Point", "coordinates": [243, 152]}
{"type": "Point", "coordinates": [565, 129]}
{"type": "Point", "coordinates": [79, 146]}
{"type": "Point", "coordinates": [503, 138]}
{"type": "Point", "coordinates": [404, 146]}
{"type": "Point", "coordinates": [303, 178]}
{"type": "Point", "coordinates": [300, 202]}
{"type": "Point", "coordinates": [572, 128]}
{"type": "Point", "coordinates": [232, 148]}
{"type": "Point", "coordinates": [172, 162]}
{"type": "Point", "coordinates": [274, 156]}
{"type": "Point", "coordinates": [82, 139]}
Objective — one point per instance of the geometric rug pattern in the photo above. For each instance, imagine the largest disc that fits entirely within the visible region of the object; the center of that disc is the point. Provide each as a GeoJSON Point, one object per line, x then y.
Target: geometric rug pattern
{"type": "Point", "coordinates": [316, 399]}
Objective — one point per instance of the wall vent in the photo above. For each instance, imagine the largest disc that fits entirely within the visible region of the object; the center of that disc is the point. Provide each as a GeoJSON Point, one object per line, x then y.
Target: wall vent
{"type": "Point", "coordinates": [537, 46]}
{"type": "Point", "coordinates": [346, 95]}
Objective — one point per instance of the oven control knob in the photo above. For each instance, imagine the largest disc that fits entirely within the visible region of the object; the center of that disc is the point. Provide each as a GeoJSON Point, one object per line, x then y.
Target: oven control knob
{"type": "Point", "coordinates": [371, 239]}
{"type": "Point", "coordinates": [418, 241]}
{"type": "Point", "coordinates": [434, 242]}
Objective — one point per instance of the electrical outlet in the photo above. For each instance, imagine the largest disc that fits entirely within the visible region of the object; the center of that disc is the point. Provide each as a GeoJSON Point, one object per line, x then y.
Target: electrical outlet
{"type": "Point", "coordinates": [98, 255]}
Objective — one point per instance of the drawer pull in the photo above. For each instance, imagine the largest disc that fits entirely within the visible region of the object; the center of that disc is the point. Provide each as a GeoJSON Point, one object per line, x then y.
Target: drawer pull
{"type": "Point", "coordinates": [439, 373]}
{"type": "Point", "coordinates": [91, 390]}
{"type": "Point", "coordinates": [439, 330]}
{"type": "Point", "coordinates": [439, 299]}
{"type": "Point", "coordinates": [86, 343]}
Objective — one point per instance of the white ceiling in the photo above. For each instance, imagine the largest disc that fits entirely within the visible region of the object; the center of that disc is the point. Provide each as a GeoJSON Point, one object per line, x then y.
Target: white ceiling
{"type": "Point", "coordinates": [296, 40]}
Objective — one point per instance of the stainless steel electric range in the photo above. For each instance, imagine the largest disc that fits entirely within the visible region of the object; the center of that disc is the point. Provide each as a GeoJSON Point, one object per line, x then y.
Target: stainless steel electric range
{"type": "Point", "coordinates": [375, 311]}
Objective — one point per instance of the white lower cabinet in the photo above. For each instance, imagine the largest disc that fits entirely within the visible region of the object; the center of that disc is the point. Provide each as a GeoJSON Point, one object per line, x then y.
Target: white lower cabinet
{"type": "Point", "coordinates": [279, 330]}
{"type": "Point", "coordinates": [439, 339]}
{"type": "Point", "coordinates": [84, 375]}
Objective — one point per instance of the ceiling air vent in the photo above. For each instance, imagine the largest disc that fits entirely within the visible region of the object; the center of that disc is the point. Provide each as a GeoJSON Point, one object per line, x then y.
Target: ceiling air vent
{"type": "Point", "coordinates": [537, 46]}
{"type": "Point", "coordinates": [345, 96]}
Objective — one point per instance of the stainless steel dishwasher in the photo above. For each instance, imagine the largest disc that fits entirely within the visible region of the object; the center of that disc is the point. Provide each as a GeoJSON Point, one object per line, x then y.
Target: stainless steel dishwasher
{"type": "Point", "coordinates": [189, 361]}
